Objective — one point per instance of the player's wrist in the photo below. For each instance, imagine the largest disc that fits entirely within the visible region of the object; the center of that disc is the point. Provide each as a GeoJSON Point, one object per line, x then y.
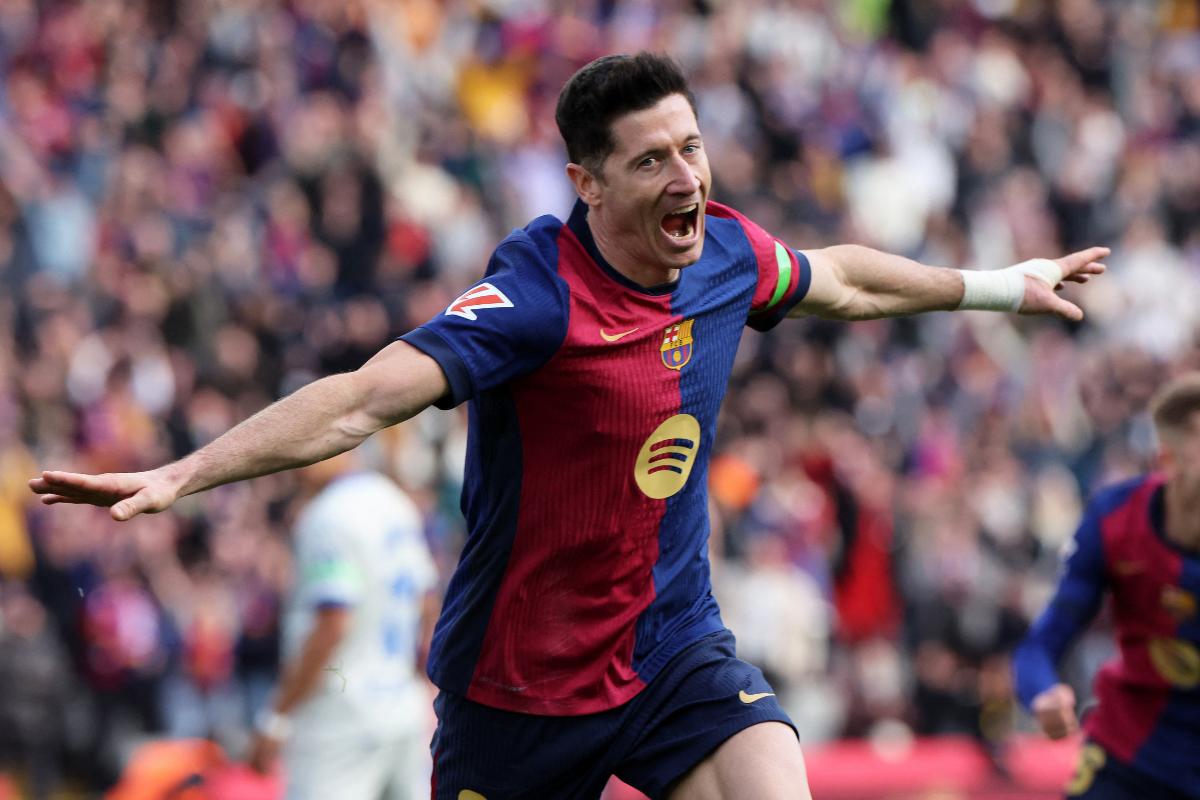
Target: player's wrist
{"type": "Point", "coordinates": [273, 724]}
{"type": "Point", "coordinates": [1004, 289]}
{"type": "Point", "coordinates": [181, 477]}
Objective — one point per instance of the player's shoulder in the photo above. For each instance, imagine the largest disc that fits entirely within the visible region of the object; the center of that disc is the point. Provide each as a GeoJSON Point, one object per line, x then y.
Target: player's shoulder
{"type": "Point", "coordinates": [1112, 496]}
{"type": "Point", "coordinates": [726, 220]}
{"type": "Point", "coordinates": [727, 233]}
{"type": "Point", "coordinates": [533, 248]}
{"type": "Point", "coordinates": [525, 265]}
{"type": "Point", "coordinates": [733, 231]}
{"type": "Point", "coordinates": [367, 494]}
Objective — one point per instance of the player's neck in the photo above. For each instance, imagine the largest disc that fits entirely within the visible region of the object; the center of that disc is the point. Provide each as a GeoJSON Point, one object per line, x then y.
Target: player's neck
{"type": "Point", "coordinates": [621, 258]}
{"type": "Point", "coordinates": [1182, 521]}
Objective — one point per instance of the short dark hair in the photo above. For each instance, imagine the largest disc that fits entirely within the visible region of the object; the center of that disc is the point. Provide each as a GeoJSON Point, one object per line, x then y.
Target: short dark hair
{"type": "Point", "coordinates": [1176, 402]}
{"type": "Point", "coordinates": [606, 89]}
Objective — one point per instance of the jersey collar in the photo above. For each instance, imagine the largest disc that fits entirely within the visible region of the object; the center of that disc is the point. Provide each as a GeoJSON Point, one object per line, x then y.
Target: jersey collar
{"type": "Point", "coordinates": [578, 224]}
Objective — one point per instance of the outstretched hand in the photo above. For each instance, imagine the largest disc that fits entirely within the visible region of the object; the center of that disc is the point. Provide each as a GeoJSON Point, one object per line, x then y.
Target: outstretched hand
{"type": "Point", "coordinates": [127, 494]}
{"type": "Point", "coordinates": [1054, 710]}
{"type": "Point", "coordinates": [1079, 267]}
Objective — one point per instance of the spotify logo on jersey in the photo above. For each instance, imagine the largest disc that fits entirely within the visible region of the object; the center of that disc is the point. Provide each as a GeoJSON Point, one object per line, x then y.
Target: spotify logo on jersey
{"type": "Point", "coordinates": [666, 458]}
{"type": "Point", "coordinates": [1177, 661]}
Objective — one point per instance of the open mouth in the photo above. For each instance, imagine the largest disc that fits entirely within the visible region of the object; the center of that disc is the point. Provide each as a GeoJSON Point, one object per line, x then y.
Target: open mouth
{"type": "Point", "coordinates": [680, 224]}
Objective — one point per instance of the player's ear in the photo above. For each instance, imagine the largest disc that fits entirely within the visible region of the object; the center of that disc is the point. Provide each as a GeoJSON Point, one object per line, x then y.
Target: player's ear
{"type": "Point", "coordinates": [587, 185]}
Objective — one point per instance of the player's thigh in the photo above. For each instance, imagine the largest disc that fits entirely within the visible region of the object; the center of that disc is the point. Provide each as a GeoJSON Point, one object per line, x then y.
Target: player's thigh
{"type": "Point", "coordinates": [700, 700]}
{"type": "Point", "coordinates": [480, 751]}
{"type": "Point", "coordinates": [763, 761]}
{"type": "Point", "coordinates": [355, 767]}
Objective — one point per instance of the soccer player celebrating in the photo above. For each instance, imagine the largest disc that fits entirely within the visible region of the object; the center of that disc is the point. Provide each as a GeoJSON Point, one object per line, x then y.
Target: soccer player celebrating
{"type": "Point", "coordinates": [579, 637]}
{"type": "Point", "coordinates": [1139, 540]}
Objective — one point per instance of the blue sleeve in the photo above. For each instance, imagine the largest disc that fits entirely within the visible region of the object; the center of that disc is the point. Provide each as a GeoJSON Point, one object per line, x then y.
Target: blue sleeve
{"type": "Point", "coordinates": [783, 274]}
{"type": "Point", "coordinates": [505, 326]}
{"type": "Point", "coordinates": [1076, 600]}
{"type": "Point", "coordinates": [790, 281]}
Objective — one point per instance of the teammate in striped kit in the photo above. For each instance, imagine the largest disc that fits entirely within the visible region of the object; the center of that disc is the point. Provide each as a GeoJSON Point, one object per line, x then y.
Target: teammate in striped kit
{"type": "Point", "coordinates": [1139, 540]}
{"type": "Point", "coordinates": [579, 637]}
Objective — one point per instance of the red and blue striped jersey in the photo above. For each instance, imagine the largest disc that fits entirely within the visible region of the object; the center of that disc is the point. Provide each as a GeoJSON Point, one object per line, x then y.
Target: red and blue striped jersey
{"type": "Point", "coordinates": [1148, 709]}
{"type": "Point", "coordinates": [593, 407]}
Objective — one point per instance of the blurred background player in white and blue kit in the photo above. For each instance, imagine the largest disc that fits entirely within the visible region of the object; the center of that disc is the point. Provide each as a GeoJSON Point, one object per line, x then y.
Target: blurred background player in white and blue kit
{"type": "Point", "coordinates": [351, 712]}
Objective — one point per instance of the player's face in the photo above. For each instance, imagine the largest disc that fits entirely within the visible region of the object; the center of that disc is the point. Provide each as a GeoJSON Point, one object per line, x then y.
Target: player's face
{"type": "Point", "coordinates": [1183, 457]}
{"type": "Point", "coordinates": [651, 194]}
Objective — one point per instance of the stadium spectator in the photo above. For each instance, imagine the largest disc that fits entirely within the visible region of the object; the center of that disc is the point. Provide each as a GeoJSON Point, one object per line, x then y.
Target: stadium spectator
{"type": "Point", "coordinates": [33, 711]}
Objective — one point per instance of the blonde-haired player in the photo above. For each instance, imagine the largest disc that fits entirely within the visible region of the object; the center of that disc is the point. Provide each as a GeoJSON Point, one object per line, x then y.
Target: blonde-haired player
{"type": "Point", "coordinates": [1139, 541]}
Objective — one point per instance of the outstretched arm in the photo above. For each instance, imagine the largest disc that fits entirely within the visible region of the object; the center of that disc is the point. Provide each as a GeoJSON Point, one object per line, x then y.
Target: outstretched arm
{"type": "Point", "coordinates": [322, 419]}
{"type": "Point", "coordinates": [1076, 600]}
{"type": "Point", "coordinates": [855, 282]}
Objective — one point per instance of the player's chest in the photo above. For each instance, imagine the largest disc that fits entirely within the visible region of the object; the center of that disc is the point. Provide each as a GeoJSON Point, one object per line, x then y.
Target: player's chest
{"type": "Point", "coordinates": [649, 357]}
{"type": "Point", "coordinates": [1157, 585]}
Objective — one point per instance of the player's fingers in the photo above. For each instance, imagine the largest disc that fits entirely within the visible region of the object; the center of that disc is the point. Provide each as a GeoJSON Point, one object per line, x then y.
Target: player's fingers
{"type": "Point", "coordinates": [1081, 257]}
{"type": "Point", "coordinates": [1071, 269]}
{"type": "Point", "coordinates": [1088, 269]}
{"type": "Point", "coordinates": [126, 509]}
{"type": "Point", "coordinates": [68, 494]}
{"type": "Point", "coordinates": [41, 485]}
{"type": "Point", "coordinates": [1067, 310]}
{"type": "Point", "coordinates": [65, 483]}
{"type": "Point", "coordinates": [1060, 724]}
{"type": "Point", "coordinates": [54, 499]}
{"type": "Point", "coordinates": [80, 482]}
{"type": "Point", "coordinates": [130, 507]}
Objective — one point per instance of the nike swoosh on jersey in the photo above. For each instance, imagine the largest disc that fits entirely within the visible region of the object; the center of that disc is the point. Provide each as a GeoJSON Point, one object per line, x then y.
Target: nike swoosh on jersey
{"type": "Point", "coordinates": [747, 698]}
{"type": "Point", "coordinates": [612, 337]}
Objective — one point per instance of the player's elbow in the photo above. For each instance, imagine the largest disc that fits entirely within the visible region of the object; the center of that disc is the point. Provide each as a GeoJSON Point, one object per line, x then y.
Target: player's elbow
{"type": "Point", "coordinates": [853, 304]}
{"type": "Point", "coordinates": [395, 385]}
{"type": "Point", "coordinates": [356, 425]}
{"type": "Point", "coordinates": [368, 408]}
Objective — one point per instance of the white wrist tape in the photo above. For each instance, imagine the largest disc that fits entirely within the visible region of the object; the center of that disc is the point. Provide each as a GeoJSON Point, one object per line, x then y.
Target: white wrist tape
{"type": "Point", "coordinates": [274, 725]}
{"type": "Point", "coordinates": [1004, 289]}
{"type": "Point", "coordinates": [1044, 269]}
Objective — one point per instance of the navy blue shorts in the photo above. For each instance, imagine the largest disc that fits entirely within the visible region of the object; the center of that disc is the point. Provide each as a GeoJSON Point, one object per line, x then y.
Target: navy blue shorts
{"type": "Point", "coordinates": [702, 696]}
{"type": "Point", "coordinates": [1099, 776]}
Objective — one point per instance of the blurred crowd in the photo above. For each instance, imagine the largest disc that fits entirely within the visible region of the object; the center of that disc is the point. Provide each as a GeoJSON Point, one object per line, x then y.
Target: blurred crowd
{"type": "Point", "coordinates": [205, 204]}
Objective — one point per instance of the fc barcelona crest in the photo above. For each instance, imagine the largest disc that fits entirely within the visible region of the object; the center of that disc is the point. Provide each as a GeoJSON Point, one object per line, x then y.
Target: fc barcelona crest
{"type": "Point", "coordinates": [1178, 603]}
{"type": "Point", "coordinates": [677, 344]}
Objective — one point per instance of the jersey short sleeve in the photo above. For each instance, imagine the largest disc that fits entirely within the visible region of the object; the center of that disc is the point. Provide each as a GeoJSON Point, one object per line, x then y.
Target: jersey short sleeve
{"type": "Point", "coordinates": [505, 326]}
{"type": "Point", "coordinates": [327, 573]}
{"type": "Point", "coordinates": [784, 274]}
